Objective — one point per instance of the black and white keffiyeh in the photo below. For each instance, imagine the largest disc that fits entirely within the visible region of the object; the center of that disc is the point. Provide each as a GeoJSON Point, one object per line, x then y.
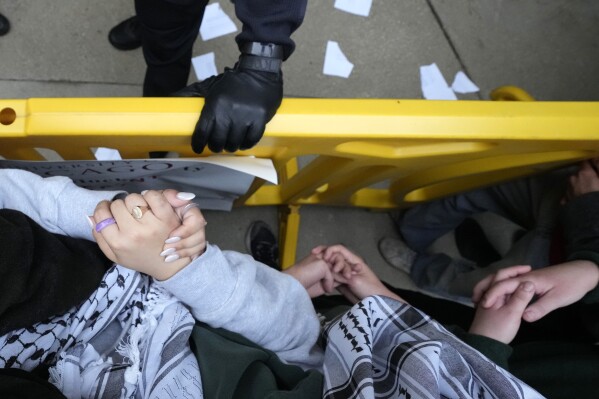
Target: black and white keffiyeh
{"type": "Point", "coordinates": [128, 339]}
{"type": "Point", "coordinates": [387, 349]}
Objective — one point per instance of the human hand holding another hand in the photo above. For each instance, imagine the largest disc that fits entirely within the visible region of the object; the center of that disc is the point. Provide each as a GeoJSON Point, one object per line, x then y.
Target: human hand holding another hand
{"type": "Point", "coordinates": [335, 267]}
{"type": "Point", "coordinates": [555, 286]}
{"type": "Point", "coordinates": [139, 242]}
{"type": "Point", "coordinates": [323, 270]}
{"type": "Point", "coordinates": [359, 280]}
{"type": "Point", "coordinates": [188, 239]}
{"type": "Point", "coordinates": [502, 321]}
{"type": "Point", "coordinates": [314, 274]}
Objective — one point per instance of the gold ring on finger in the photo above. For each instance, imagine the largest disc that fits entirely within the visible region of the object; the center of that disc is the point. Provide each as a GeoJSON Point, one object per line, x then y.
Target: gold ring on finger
{"type": "Point", "coordinates": [138, 211]}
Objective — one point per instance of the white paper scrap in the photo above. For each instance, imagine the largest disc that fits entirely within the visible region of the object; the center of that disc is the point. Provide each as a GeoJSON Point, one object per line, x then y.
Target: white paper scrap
{"type": "Point", "coordinates": [107, 154]}
{"type": "Point", "coordinates": [461, 84]}
{"type": "Point", "coordinates": [434, 85]}
{"type": "Point", "coordinates": [204, 65]}
{"type": "Point", "coordinates": [335, 62]}
{"type": "Point", "coordinates": [216, 23]}
{"type": "Point", "coordinates": [358, 7]}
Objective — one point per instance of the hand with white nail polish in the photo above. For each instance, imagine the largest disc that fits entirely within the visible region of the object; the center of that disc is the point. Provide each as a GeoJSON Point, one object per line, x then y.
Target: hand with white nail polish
{"type": "Point", "coordinates": [188, 239]}
{"type": "Point", "coordinates": [139, 243]}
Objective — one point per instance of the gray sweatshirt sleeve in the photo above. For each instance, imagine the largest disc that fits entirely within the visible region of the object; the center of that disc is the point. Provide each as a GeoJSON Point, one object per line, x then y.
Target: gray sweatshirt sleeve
{"type": "Point", "coordinates": [55, 203]}
{"type": "Point", "coordinates": [229, 290]}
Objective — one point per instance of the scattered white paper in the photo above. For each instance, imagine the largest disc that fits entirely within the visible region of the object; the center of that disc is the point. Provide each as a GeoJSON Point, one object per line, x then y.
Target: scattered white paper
{"type": "Point", "coordinates": [434, 85]}
{"type": "Point", "coordinates": [461, 84]}
{"type": "Point", "coordinates": [204, 66]}
{"type": "Point", "coordinates": [107, 154]}
{"type": "Point", "coordinates": [216, 23]}
{"type": "Point", "coordinates": [358, 7]}
{"type": "Point", "coordinates": [335, 62]}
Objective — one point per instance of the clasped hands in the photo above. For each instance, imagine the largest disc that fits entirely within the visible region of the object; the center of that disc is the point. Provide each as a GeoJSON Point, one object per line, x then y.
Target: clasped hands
{"type": "Point", "coordinates": [157, 233]}
{"type": "Point", "coordinates": [519, 293]}
{"type": "Point", "coordinates": [505, 298]}
{"type": "Point", "coordinates": [329, 268]}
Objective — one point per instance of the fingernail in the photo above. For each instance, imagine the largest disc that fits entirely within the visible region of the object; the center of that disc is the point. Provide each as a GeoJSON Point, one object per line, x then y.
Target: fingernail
{"type": "Point", "coordinates": [187, 207]}
{"type": "Point", "coordinates": [89, 221]}
{"type": "Point", "coordinates": [185, 196]}
{"type": "Point", "coordinates": [144, 192]}
{"type": "Point", "coordinates": [171, 258]}
{"type": "Point", "coordinates": [195, 257]}
{"type": "Point", "coordinates": [529, 315]}
{"type": "Point", "coordinates": [172, 240]}
{"type": "Point", "coordinates": [527, 286]}
{"type": "Point", "coordinates": [168, 251]}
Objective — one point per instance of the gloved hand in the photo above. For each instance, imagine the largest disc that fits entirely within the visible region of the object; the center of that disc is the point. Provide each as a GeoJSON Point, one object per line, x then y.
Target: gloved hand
{"type": "Point", "coordinates": [239, 103]}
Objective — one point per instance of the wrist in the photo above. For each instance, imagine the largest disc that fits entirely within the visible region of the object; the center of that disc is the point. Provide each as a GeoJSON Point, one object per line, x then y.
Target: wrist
{"type": "Point", "coordinates": [168, 270]}
{"type": "Point", "coordinates": [267, 50]}
{"type": "Point", "coordinates": [263, 57]}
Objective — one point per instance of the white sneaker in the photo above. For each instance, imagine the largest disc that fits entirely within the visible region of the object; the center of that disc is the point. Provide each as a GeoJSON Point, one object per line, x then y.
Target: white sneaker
{"type": "Point", "coordinates": [397, 253]}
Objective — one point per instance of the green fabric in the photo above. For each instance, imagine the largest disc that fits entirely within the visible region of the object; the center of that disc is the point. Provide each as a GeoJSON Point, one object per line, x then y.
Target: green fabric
{"type": "Point", "coordinates": [234, 367]}
{"type": "Point", "coordinates": [496, 351]}
{"type": "Point", "coordinates": [555, 369]}
{"type": "Point", "coordinates": [558, 369]}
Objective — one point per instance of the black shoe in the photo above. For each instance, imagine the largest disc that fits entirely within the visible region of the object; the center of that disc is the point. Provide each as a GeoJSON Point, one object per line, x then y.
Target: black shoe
{"type": "Point", "coordinates": [261, 242]}
{"type": "Point", "coordinates": [4, 25]}
{"type": "Point", "coordinates": [126, 35]}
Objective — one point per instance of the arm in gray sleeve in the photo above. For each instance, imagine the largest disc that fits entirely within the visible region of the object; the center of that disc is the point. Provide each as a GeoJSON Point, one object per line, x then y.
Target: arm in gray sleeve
{"type": "Point", "coordinates": [229, 290]}
{"type": "Point", "coordinates": [55, 203]}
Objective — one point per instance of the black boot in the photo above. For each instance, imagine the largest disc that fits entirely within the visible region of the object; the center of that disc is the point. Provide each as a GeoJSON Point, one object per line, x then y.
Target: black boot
{"type": "Point", "coordinates": [126, 35]}
{"type": "Point", "coordinates": [4, 25]}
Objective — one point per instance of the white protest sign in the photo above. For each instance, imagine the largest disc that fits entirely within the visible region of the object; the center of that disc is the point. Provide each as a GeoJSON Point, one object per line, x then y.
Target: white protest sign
{"type": "Point", "coordinates": [217, 181]}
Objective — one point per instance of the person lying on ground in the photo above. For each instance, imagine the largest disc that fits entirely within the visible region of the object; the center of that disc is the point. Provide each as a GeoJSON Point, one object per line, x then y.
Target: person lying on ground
{"type": "Point", "coordinates": [131, 336]}
{"type": "Point", "coordinates": [556, 212]}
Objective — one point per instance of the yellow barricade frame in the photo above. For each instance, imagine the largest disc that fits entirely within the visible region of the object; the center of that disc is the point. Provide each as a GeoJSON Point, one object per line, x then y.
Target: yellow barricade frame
{"type": "Point", "coordinates": [371, 153]}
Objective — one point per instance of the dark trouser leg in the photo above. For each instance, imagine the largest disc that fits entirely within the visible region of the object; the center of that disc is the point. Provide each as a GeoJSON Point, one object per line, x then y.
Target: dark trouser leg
{"type": "Point", "coordinates": [168, 33]}
{"type": "Point", "coordinates": [531, 203]}
{"type": "Point", "coordinates": [519, 201]}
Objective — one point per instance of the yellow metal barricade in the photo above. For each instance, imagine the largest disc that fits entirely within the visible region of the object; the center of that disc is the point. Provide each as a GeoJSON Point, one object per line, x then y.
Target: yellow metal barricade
{"type": "Point", "coordinates": [353, 152]}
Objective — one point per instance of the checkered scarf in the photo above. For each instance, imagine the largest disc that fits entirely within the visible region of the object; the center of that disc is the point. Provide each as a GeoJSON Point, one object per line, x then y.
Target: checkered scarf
{"type": "Point", "coordinates": [384, 348]}
{"type": "Point", "coordinates": [152, 359]}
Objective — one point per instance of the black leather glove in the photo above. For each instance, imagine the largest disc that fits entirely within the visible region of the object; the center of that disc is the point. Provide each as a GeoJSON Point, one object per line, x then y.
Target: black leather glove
{"type": "Point", "coordinates": [240, 101]}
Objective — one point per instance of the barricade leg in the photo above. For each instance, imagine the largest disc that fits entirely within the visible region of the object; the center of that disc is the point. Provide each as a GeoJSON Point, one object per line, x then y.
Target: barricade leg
{"type": "Point", "coordinates": [289, 222]}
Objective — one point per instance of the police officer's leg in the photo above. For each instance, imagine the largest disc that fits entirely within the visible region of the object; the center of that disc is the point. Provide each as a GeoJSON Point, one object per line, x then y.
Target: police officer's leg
{"type": "Point", "coordinates": [168, 31]}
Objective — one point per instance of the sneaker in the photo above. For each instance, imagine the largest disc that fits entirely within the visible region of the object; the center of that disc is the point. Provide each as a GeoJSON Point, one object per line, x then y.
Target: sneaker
{"type": "Point", "coordinates": [261, 243]}
{"type": "Point", "coordinates": [397, 253]}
